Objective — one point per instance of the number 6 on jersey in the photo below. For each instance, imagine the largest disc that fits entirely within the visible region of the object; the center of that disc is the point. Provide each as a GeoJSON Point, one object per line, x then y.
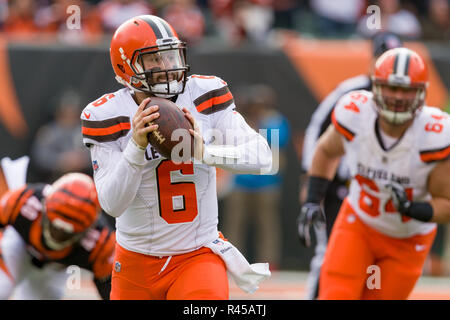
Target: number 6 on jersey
{"type": "Point", "coordinates": [177, 200]}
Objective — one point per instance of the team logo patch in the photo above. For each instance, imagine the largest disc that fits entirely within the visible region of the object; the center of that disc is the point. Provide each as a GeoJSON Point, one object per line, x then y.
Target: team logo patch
{"type": "Point", "coordinates": [95, 165]}
{"type": "Point", "coordinates": [117, 266]}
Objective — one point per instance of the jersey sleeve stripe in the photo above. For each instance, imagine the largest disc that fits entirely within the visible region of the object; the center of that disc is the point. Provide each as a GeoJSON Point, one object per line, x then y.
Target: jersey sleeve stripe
{"type": "Point", "coordinates": [19, 204]}
{"type": "Point", "coordinates": [107, 130]}
{"type": "Point", "coordinates": [347, 133]}
{"type": "Point", "coordinates": [435, 155]}
{"type": "Point", "coordinates": [99, 246]}
{"type": "Point", "coordinates": [105, 123]}
{"type": "Point", "coordinates": [214, 100]}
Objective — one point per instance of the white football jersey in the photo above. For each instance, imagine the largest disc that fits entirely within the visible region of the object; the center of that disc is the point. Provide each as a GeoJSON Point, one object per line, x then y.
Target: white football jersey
{"type": "Point", "coordinates": [163, 208]}
{"type": "Point", "coordinates": [409, 161]}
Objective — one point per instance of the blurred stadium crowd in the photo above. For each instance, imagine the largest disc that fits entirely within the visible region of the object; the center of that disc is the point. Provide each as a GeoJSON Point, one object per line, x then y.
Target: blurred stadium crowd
{"type": "Point", "coordinates": [231, 21]}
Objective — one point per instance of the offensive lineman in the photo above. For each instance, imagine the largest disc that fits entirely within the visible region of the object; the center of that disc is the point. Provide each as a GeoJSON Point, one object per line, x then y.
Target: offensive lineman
{"type": "Point", "coordinates": [166, 213]}
{"type": "Point", "coordinates": [397, 150]}
{"type": "Point", "coordinates": [338, 188]}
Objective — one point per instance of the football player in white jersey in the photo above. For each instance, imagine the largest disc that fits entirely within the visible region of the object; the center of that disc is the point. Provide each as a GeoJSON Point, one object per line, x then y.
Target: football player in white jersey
{"type": "Point", "coordinates": [398, 154]}
{"type": "Point", "coordinates": [166, 213]}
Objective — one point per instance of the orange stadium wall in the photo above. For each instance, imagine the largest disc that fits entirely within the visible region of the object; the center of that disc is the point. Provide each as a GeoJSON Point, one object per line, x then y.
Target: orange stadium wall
{"type": "Point", "coordinates": [301, 72]}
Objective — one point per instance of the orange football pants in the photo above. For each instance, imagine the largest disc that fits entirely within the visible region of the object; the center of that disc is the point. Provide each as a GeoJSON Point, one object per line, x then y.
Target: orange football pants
{"type": "Point", "coordinates": [357, 253]}
{"type": "Point", "coordinates": [197, 275]}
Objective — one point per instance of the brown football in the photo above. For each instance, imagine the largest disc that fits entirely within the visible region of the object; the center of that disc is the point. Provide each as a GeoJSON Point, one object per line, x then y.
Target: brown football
{"type": "Point", "coordinates": [171, 117]}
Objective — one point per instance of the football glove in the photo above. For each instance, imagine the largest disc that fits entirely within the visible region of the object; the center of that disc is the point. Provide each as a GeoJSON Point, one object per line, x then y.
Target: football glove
{"type": "Point", "coordinates": [310, 214]}
{"type": "Point", "coordinates": [422, 211]}
{"type": "Point", "coordinates": [399, 197]}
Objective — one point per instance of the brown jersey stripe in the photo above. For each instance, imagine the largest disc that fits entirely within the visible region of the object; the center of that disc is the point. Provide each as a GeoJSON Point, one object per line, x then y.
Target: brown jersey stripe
{"type": "Point", "coordinates": [104, 123]}
{"type": "Point", "coordinates": [218, 107]}
{"type": "Point", "coordinates": [124, 126]}
{"type": "Point", "coordinates": [214, 100]}
{"type": "Point", "coordinates": [108, 138]}
{"type": "Point", "coordinates": [435, 155]}
{"type": "Point", "coordinates": [211, 94]}
{"type": "Point", "coordinates": [106, 130]}
{"type": "Point", "coordinates": [348, 134]}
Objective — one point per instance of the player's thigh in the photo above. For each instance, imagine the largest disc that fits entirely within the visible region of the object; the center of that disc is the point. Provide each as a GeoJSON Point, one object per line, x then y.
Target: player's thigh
{"type": "Point", "coordinates": [400, 271]}
{"type": "Point", "coordinates": [202, 277]}
{"type": "Point", "coordinates": [396, 282]}
{"type": "Point", "coordinates": [124, 289]}
{"type": "Point", "coordinates": [131, 276]}
{"type": "Point", "coordinates": [348, 255]}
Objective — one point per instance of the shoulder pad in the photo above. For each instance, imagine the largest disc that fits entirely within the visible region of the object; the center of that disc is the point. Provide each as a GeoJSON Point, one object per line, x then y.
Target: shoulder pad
{"type": "Point", "coordinates": [104, 120]}
{"type": "Point", "coordinates": [351, 110]}
{"type": "Point", "coordinates": [211, 94]}
{"type": "Point", "coordinates": [434, 134]}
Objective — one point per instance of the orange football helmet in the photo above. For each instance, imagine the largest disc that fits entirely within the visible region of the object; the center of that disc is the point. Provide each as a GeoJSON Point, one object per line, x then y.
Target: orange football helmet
{"type": "Point", "coordinates": [71, 208]}
{"type": "Point", "coordinates": [404, 70]}
{"type": "Point", "coordinates": [149, 35]}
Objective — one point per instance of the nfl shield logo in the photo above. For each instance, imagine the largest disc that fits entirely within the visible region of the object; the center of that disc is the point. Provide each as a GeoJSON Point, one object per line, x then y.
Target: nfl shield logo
{"type": "Point", "coordinates": [117, 266]}
{"type": "Point", "coordinates": [95, 165]}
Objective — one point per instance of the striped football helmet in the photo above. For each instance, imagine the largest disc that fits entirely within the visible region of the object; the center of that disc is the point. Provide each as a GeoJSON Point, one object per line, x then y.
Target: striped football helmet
{"type": "Point", "coordinates": [400, 82]}
{"type": "Point", "coordinates": [71, 208]}
{"type": "Point", "coordinates": [149, 38]}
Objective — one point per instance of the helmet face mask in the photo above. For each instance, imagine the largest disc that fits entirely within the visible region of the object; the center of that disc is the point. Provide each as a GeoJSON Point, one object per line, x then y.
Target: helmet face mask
{"type": "Point", "coordinates": [147, 56]}
{"type": "Point", "coordinates": [56, 237]}
{"type": "Point", "coordinates": [399, 85]}
{"type": "Point", "coordinates": [161, 70]}
{"type": "Point", "coordinates": [398, 104]}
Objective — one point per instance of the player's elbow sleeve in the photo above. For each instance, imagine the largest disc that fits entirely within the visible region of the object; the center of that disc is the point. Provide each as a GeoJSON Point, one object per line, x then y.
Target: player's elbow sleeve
{"type": "Point", "coordinates": [112, 209]}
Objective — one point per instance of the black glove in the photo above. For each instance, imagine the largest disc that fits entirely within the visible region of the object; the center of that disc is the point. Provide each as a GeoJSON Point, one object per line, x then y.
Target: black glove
{"type": "Point", "coordinates": [399, 197]}
{"type": "Point", "coordinates": [422, 211]}
{"type": "Point", "coordinates": [310, 214]}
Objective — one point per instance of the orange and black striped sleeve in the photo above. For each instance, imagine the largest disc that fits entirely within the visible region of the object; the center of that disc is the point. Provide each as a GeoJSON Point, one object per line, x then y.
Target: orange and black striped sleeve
{"type": "Point", "coordinates": [214, 100]}
{"type": "Point", "coordinates": [11, 203]}
{"type": "Point", "coordinates": [433, 155]}
{"type": "Point", "coordinates": [106, 130]}
{"type": "Point", "coordinates": [101, 257]}
{"type": "Point", "coordinates": [347, 133]}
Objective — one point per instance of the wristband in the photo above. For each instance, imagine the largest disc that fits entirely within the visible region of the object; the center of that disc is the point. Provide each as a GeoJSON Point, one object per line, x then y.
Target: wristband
{"type": "Point", "coordinates": [422, 211]}
{"type": "Point", "coordinates": [317, 189]}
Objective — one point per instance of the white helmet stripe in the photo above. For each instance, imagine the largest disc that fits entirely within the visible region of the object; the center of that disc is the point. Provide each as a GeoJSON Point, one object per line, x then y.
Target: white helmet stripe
{"type": "Point", "coordinates": [402, 63]}
{"type": "Point", "coordinates": [161, 28]}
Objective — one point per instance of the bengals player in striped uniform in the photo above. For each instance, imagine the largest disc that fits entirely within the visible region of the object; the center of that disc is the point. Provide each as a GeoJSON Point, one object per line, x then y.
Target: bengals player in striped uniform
{"type": "Point", "coordinates": [398, 153]}
{"type": "Point", "coordinates": [46, 228]}
{"type": "Point", "coordinates": [166, 212]}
